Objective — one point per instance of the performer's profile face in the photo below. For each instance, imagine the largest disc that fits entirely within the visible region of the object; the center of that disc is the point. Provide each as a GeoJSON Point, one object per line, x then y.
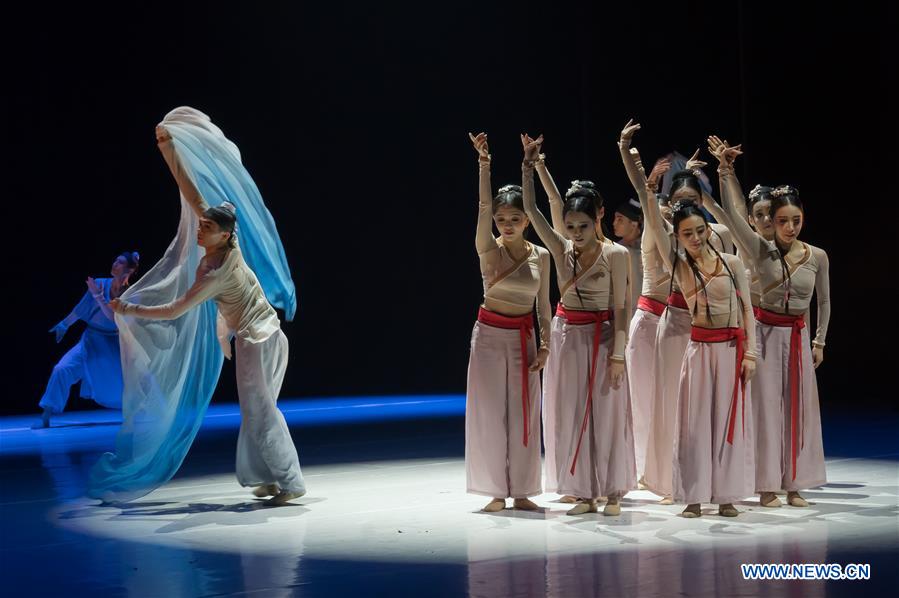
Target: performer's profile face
{"type": "Point", "coordinates": [788, 223]}
{"type": "Point", "coordinates": [120, 266]}
{"type": "Point", "coordinates": [210, 234]}
{"type": "Point", "coordinates": [510, 222]}
{"type": "Point", "coordinates": [624, 227]}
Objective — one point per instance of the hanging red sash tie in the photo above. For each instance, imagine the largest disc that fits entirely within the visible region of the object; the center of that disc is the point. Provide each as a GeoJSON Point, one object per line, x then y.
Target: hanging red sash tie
{"type": "Point", "coordinates": [524, 325]}
{"type": "Point", "coordinates": [651, 305]}
{"type": "Point", "coordinates": [797, 323]}
{"type": "Point", "coordinates": [578, 318]}
{"type": "Point", "coordinates": [721, 335]}
{"type": "Point", "coordinates": [676, 299]}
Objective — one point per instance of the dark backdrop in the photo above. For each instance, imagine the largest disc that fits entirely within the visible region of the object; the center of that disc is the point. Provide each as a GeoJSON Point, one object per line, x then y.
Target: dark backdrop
{"type": "Point", "coordinates": [353, 119]}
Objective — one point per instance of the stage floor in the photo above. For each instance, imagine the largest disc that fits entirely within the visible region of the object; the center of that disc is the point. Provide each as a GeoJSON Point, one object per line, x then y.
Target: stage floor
{"type": "Point", "coordinates": [387, 513]}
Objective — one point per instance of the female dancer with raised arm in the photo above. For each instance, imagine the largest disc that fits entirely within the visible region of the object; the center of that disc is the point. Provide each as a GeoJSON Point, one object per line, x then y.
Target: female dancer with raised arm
{"type": "Point", "coordinates": [642, 337]}
{"type": "Point", "coordinates": [94, 360]}
{"type": "Point", "coordinates": [594, 452]}
{"type": "Point", "coordinates": [713, 442]}
{"type": "Point", "coordinates": [502, 411]}
{"type": "Point", "coordinates": [550, 376]}
{"type": "Point", "coordinates": [789, 446]}
{"type": "Point", "coordinates": [162, 416]}
{"type": "Point", "coordinates": [667, 303]}
{"type": "Point", "coordinates": [758, 216]}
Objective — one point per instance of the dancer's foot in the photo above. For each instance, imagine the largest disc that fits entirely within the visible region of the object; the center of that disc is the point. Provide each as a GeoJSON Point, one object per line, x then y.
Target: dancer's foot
{"type": "Point", "coordinates": [694, 510]}
{"type": "Point", "coordinates": [266, 490]}
{"type": "Point", "coordinates": [794, 500]}
{"type": "Point", "coordinates": [602, 499]}
{"type": "Point", "coordinates": [497, 504]}
{"type": "Point", "coordinates": [666, 500]}
{"type": "Point", "coordinates": [44, 421]}
{"type": "Point", "coordinates": [612, 508]}
{"type": "Point", "coordinates": [728, 510]}
{"type": "Point", "coordinates": [588, 506]}
{"type": "Point", "coordinates": [641, 484]}
{"type": "Point", "coordinates": [285, 496]}
{"type": "Point", "coordinates": [525, 504]}
{"type": "Point", "coordinates": [569, 499]}
{"type": "Point", "coordinates": [769, 499]}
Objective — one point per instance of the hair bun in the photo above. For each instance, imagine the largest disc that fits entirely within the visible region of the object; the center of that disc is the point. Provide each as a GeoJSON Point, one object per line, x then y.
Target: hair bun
{"type": "Point", "coordinates": [586, 189]}
{"type": "Point", "coordinates": [583, 183]}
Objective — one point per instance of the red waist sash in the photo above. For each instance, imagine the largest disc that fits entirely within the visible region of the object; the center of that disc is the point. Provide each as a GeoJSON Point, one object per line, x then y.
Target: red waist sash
{"type": "Point", "coordinates": [676, 299]}
{"type": "Point", "coordinates": [651, 305]}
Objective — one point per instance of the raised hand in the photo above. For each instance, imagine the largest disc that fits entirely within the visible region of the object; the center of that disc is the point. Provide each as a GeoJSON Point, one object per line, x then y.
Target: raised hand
{"type": "Point", "coordinates": [628, 131]}
{"type": "Point", "coordinates": [162, 134]}
{"type": "Point", "coordinates": [725, 154]}
{"type": "Point", "coordinates": [531, 147]}
{"type": "Point", "coordinates": [716, 144]}
{"type": "Point", "coordinates": [479, 142]}
{"type": "Point", "coordinates": [658, 171]}
{"type": "Point", "coordinates": [694, 163]}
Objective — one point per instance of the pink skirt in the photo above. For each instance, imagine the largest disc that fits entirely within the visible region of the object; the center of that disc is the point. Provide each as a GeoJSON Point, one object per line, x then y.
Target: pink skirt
{"type": "Point", "coordinates": [706, 467]}
{"type": "Point", "coordinates": [605, 456]}
{"type": "Point", "coordinates": [670, 346]}
{"type": "Point", "coordinates": [497, 463]}
{"type": "Point", "coordinates": [771, 401]}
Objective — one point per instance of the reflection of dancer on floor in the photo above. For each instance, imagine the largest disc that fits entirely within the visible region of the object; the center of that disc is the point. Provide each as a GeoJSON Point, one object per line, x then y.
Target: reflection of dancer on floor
{"type": "Point", "coordinates": [502, 412]}
{"type": "Point", "coordinates": [713, 450]}
{"type": "Point", "coordinates": [789, 447]}
{"type": "Point", "coordinates": [266, 455]}
{"type": "Point", "coordinates": [589, 417]}
{"type": "Point", "coordinates": [95, 359]}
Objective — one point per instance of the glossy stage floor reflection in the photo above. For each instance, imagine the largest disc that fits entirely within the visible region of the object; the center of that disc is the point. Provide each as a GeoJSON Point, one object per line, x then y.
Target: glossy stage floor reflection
{"type": "Point", "coordinates": [387, 514]}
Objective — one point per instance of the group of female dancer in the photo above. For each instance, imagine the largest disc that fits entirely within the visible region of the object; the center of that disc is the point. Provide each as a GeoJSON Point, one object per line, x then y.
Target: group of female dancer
{"type": "Point", "coordinates": [661, 400]}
